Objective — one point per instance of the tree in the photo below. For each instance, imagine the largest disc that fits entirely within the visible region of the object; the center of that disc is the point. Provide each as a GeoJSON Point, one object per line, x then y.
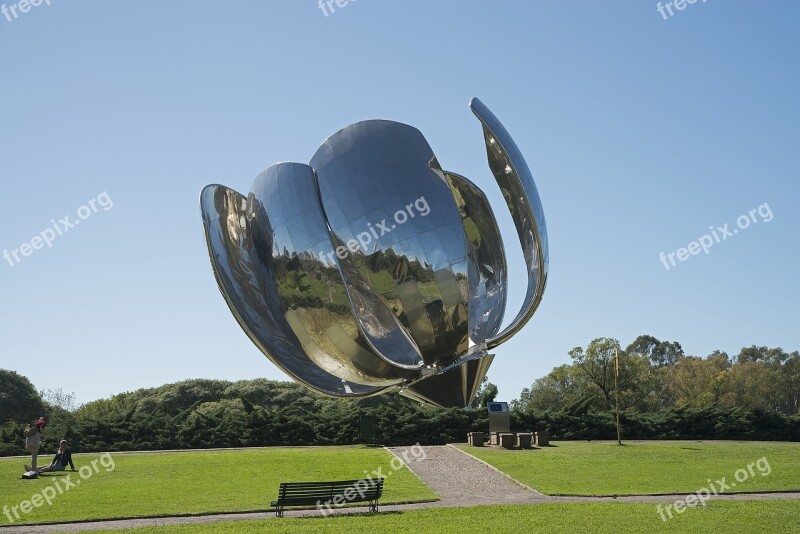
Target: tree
{"type": "Point", "coordinates": [666, 353]}
{"type": "Point", "coordinates": [637, 377]}
{"type": "Point", "coordinates": [19, 400]}
{"type": "Point", "coordinates": [766, 379]}
{"type": "Point", "coordinates": [598, 364]}
{"type": "Point", "coordinates": [660, 353]}
{"type": "Point", "coordinates": [698, 382]}
{"type": "Point", "coordinates": [638, 382]}
{"type": "Point", "coordinates": [644, 344]}
{"type": "Point", "coordinates": [563, 386]}
{"type": "Point", "coordinates": [791, 383]}
{"type": "Point", "coordinates": [58, 397]}
{"type": "Point", "coordinates": [486, 394]}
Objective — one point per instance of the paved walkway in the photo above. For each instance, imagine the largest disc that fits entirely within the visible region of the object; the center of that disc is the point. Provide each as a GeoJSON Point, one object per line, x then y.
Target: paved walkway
{"type": "Point", "coordinates": [458, 478]}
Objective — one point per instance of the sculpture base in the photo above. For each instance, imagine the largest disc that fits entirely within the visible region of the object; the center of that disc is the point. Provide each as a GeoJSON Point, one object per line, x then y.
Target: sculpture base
{"type": "Point", "coordinates": [454, 386]}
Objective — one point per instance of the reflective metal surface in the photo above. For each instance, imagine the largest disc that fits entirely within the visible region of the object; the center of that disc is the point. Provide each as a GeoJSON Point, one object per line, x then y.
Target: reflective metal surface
{"type": "Point", "coordinates": [488, 275]}
{"type": "Point", "coordinates": [290, 230]}
{"type": "Point", "coordinates": [384, 173]}
{"type": "Point", "coordinates": [372, 268]}
{"type": "Point", "coordinates": [516, 181]}
{"type": "Point", "coordinates": [253, 296]}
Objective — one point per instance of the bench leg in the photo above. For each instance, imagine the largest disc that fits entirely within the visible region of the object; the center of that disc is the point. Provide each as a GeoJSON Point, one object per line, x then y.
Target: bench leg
{"type": "Point", "coordinates": [279, 511]}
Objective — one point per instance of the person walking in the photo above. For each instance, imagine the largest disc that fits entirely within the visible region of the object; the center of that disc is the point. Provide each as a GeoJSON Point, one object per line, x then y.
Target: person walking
{"type": "Point", "coordinates": [34, 434]}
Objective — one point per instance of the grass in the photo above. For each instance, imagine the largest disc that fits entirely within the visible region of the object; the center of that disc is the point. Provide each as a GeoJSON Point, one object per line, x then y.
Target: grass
{"type": "Point", "coordinates": [152, 484]}
{"type": "Point", "coordinates": [198, 482]}
{"type": "Point", "coordinates": [730, 516]}
{"type": "Point", "coordinates": [605, 468]}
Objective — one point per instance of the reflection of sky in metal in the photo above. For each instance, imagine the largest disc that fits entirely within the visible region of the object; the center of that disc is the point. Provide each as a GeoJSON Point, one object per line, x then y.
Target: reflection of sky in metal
{"type": "Point", "coordinates": [417, 303]}
{"type": "Point", "coordinates": [378, 168]}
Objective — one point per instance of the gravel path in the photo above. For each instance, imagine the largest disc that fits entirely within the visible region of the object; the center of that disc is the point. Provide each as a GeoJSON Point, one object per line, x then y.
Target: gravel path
{"type": "Point", "coordinates": [461, 479]}
{"type": "Point", "coordinates": [458, 478]}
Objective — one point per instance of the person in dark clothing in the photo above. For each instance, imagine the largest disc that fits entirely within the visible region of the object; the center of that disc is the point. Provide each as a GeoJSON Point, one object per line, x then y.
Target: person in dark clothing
{"type": "Point", "coordinates": [62, 459]}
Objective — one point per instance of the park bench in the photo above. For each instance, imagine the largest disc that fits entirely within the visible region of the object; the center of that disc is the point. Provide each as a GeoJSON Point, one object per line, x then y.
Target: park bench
{"type": "Point", "coordinates": [328, 494]}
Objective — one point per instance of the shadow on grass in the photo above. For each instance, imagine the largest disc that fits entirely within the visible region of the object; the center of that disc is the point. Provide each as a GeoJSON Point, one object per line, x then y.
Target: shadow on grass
{"type": "Point", "coordinates": [355, 514]}
{"type": "Point", "coordinates": [498, 447]}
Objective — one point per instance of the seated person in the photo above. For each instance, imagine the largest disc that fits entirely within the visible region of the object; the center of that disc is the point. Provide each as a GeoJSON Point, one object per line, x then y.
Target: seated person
{"type": "Point", "coordinates": [62, 458]}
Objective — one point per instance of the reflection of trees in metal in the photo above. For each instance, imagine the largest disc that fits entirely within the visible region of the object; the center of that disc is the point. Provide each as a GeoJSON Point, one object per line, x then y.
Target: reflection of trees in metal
{"type": "Point", "coordinates": [419, 308]}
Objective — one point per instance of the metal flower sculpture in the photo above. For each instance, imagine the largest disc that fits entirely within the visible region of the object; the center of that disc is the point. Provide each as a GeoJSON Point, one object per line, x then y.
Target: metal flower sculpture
{"type": "Point", "coordinates": [373, 269]}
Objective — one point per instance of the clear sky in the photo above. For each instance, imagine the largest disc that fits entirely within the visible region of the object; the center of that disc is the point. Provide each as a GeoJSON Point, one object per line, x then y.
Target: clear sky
{"type": "Point", "coordinates": [641, 131]}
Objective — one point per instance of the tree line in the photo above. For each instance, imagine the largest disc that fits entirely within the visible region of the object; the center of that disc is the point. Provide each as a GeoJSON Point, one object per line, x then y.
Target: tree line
{"type": "Point", "coordinates": [664, 394]}
{"type": "Point", "coordinates": [218, 413]}
{"type": "Point", "coordinates": [656, 375]}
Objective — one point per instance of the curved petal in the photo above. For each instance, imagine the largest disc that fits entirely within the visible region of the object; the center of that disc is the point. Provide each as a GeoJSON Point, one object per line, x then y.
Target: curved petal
{"type": "Point", "coordinates": [290, 231]}
{"type": "Point", "coordinates": [488, 288]}
{"type": "Point", "coordinates": [382, 189]}
{"type": "Point", "coordinates": [252, 300]}
{"type": "Point", "coordinates": [516, 182]}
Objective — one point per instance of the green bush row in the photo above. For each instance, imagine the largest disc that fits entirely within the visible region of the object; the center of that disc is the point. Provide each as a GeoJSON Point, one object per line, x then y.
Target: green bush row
{"type": "Point", "coordinates": [219, 414]}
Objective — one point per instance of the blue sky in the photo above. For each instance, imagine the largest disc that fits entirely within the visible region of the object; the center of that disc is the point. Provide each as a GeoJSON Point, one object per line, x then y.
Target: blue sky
{"type": "Point", "coordinates": [641, 133]}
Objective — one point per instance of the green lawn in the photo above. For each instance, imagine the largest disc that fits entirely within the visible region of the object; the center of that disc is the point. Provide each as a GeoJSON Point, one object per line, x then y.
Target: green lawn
{"type": "Point", "coordinates": [752, 516]}
{"type": "Point", "coordinates": [605, 468]}
{"type": "Point", "coordinates": [150, 484]}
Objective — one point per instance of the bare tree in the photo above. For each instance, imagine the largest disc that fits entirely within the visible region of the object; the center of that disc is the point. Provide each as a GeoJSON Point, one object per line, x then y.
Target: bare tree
{"type": "Point", "coordinates": [58, 397]}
